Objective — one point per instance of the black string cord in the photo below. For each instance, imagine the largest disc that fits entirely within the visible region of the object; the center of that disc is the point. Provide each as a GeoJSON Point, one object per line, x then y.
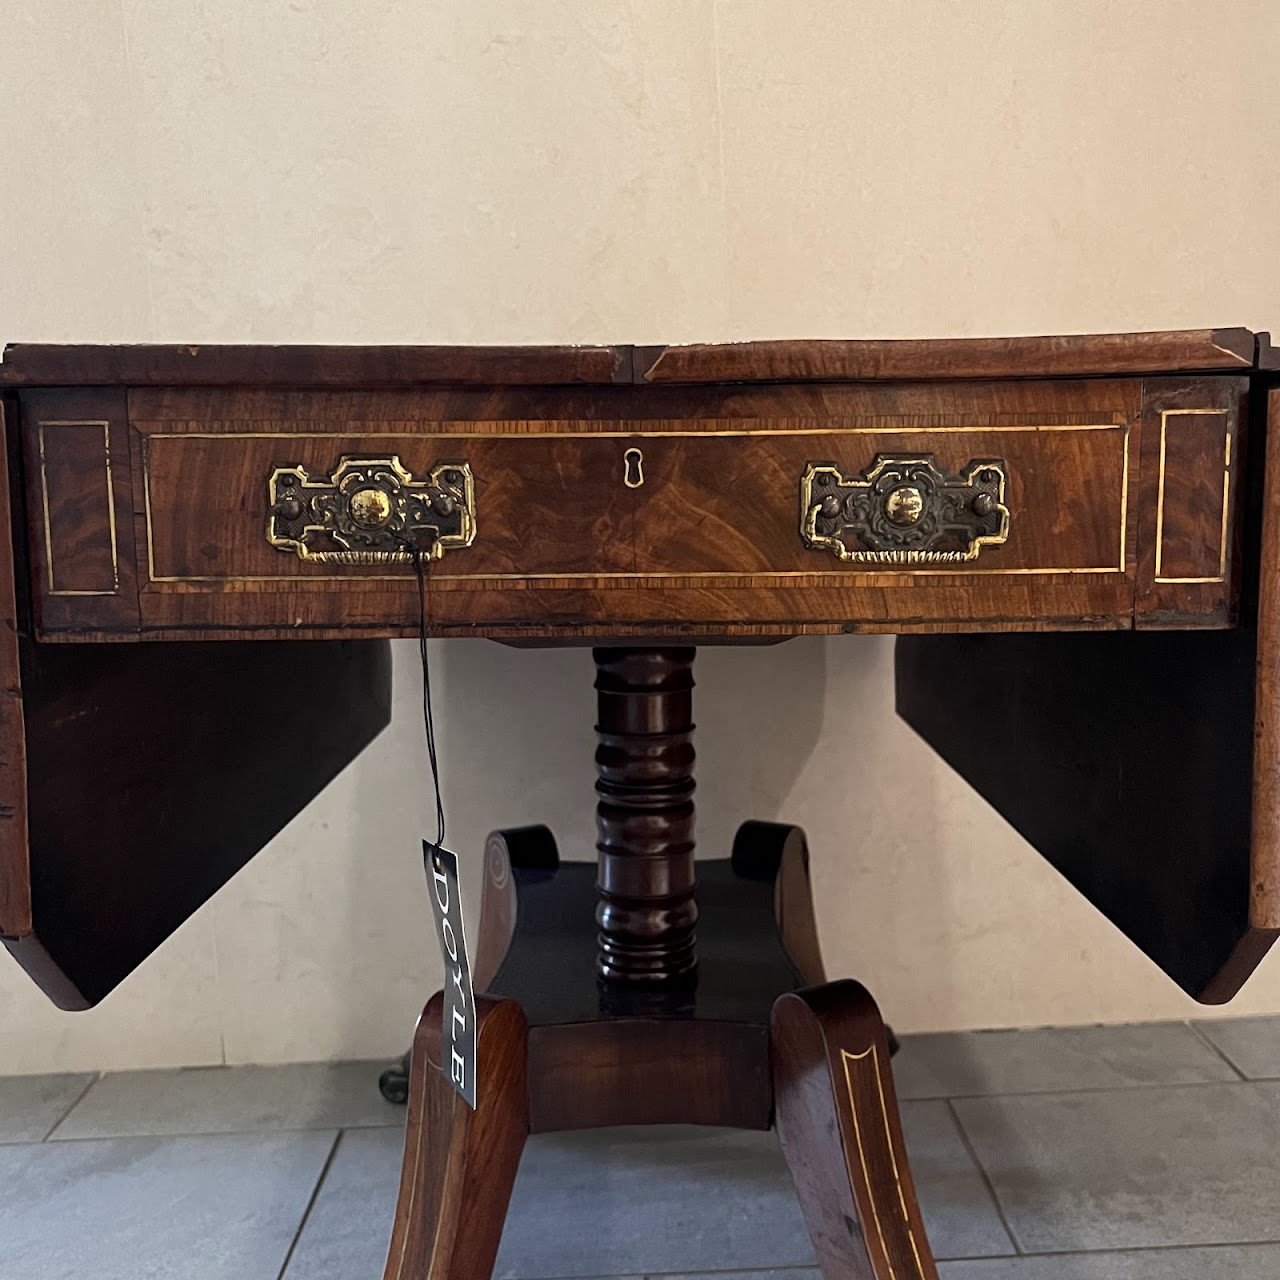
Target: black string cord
{"type": "Point", "coordinates": [428, 717]}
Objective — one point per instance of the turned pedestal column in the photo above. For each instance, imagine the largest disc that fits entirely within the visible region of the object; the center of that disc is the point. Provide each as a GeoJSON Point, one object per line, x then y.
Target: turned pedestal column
{"type": "Point", "coordinates": [644, 817]}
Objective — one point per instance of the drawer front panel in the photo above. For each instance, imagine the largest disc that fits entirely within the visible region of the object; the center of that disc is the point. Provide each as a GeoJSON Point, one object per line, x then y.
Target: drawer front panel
{"type": "Point", "coordinates": [1192, 543]}
{"type": "Point", "coordinates": [635, 503]}
{"type": "Point", "coordinates": [649, 512]}
{"type": "Point", "coordinates": [544, 506]}
{"type": "Point", "coordinates": [717, 504]}
{"type": "Point", "coordinates": [80, 537]}
{"type": "Point", "coordinates": [82, 483]}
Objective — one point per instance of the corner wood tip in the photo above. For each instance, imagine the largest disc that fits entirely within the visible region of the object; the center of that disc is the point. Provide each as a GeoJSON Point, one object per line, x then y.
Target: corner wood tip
{"type": "Point", "coordinates": [1268, 356]}
{"type": "Point", "coordinates": [624, 364]}
{"type": "Point", "coordinates": [1241, 344]}
{"type": "Point", "coordinates": [646, 361]}
{"type": "Point", "coordinates": [9, 376]}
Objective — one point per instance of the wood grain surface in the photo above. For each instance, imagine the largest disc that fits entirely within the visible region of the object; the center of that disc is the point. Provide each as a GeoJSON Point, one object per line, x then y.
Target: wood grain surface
{"type": "Point", "coordinates": [15, 873]}
{"type": "Point", "coordinates": [631, 1053]}
{"type": "Point", "coordinates": [1190, 350]}
{"type": "Point", "coordinates": [1194, 455]}
{"type": "Point", "coordinates": [556, 506]}
{"type": "Point", "coordinates": [644, 814]}
{"type": "Point", "coordinates": [1127, 761]}
{"type": "Point", "coordinates": [708, 546]}
{"type": "Point", "coordinates": [31, 365]}
{"type": "Point", "coordinates": [460, 1165]}
{"type": "Point", "coordinates": [79, 495]}
{"type": "Point", "coordinates": [725, 504]}
{"type": "Point", "coordinates": [841, 1133]}
{"type": "Point", "coordinates": [545, 506]}
{"type": "Point", "coordinates": [1265, 881]}
{"type": "Point", "coordinates": [154, 773]}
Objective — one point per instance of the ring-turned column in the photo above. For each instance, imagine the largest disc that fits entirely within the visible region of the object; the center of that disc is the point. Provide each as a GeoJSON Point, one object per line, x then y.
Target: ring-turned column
{"type": "Point", "coordinates": [644, 817]}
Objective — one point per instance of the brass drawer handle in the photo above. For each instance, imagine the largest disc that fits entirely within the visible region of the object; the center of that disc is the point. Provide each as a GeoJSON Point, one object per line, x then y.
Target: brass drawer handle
{"type": "Point", "coordinates": [371, 511]}
{"type": "Point", "coordinates": [903, 510]}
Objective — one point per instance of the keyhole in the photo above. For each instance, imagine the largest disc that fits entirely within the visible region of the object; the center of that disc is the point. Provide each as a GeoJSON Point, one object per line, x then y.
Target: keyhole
{"type": "Point", "coordinates": [634, 461]}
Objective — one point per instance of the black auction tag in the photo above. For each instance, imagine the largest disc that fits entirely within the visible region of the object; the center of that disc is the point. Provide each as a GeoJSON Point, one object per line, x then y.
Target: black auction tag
{"type": "Point", "coordinates": [458, 1045]}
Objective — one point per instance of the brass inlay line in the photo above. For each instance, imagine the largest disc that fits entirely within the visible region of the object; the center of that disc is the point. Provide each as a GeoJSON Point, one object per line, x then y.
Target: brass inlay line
{"type": "Point", "coordinates": [840, 576]}
{"type": "Point", "coordinates": [146, 499]}
{"type": "Point", "coordinates": [413, 1161]}
{"type": "Point", "coordinates": [408, 433]}
{"type": "Point", "coordinates": [873, 1053]}
{"type": "Point", "coordinates": [1124, 503]}
{"type": "Point", "coordinates": [1223, 544]}
{"type": "Point", "coordinates": [44, 501]}
{"type": "Point", "coordinates": [823, 577]}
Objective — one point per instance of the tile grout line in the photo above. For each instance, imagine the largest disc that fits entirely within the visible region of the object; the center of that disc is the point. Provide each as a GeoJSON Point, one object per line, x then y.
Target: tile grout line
{"type": "Point", "coordinates": [808, 1268]}
{"type": "Point", "coordinates": [1088, 1089]}
{"type": "Point", "coordinates": [812, 1268]}
{"type": "Point", "coordinates": [1203, 1245]}
{"type": "Point", "coordinates": [1204, 1039]}
{"type": "Point", "coordinates": [311, 1204]}
{"type": "Point", "coordinates": [730, 1273]}
{"type": "Point", "coordinates": [985, 1176]}
{"type": "Point", "coordinates": [174, 1134]}
{"type": "Point", "coordinates": [80, 1097]}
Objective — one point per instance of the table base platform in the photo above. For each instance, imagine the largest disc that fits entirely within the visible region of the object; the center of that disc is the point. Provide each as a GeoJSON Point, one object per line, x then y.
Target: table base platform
{"type": "Point", "coordinates": [752, 1035]}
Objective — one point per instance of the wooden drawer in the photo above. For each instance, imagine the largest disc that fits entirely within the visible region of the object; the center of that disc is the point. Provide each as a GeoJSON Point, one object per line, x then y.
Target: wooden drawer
{"type": "Point", "coordinates": [633, 510]}
{"type": "Point", "coordinates": [544, 506]}
{"type": "Point", "coordinates": [734, 503]}
{"type": "Point", "coordinates": [692, 504]}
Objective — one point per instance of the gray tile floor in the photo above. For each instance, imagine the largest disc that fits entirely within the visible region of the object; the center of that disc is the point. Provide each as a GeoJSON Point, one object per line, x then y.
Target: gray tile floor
{"type": "Point", "coordinates": [1122, 1153]}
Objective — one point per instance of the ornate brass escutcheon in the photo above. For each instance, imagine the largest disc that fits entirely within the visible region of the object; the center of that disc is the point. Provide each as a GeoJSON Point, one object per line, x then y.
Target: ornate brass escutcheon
{"type": "Point", "coordinates": [904, 511]}
{"type": "Point", "coordinates": [371, 511]}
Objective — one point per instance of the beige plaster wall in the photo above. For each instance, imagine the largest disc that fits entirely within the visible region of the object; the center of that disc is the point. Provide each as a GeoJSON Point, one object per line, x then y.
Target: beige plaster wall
{"type": "Point", "coordinates": [593, 170]}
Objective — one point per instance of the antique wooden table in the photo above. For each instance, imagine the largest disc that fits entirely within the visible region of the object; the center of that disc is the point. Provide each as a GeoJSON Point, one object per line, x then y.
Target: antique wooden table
{"type": "Point", "coordinates": [1074, 538]}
